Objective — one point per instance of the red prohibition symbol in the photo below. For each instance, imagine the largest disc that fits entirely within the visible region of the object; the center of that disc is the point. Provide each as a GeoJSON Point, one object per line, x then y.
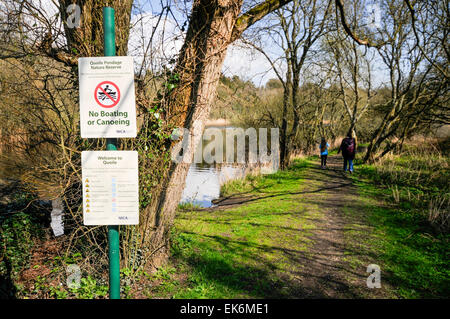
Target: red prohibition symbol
{"type": "Point", "coordinates": [107, 94]}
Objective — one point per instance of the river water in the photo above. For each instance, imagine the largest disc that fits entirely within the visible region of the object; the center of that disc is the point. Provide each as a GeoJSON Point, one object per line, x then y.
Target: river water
{"type": "Point", "coordinates": [204, 180]}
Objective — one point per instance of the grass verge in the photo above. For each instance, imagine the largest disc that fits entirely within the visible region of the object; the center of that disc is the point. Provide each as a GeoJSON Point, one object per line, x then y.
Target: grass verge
{"type": "Point", "coordinates": [242, 252]}
{"type": "Point", "coordinates": [393, 227]}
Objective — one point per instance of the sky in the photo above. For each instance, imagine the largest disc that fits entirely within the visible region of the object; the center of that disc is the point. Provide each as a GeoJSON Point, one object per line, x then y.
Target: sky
{"type": "Point", "coordinates": [248, 64]}
{"type": "Point", "coordinates": [168, 39]}
{"type": "Point", "coordinates": [241, 60]}
{"type": "Point", "coordinates": [244, 62]}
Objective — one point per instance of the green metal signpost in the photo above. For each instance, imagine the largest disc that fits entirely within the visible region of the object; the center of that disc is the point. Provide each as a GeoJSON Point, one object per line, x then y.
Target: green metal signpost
{"type": "Point", "coordinates": [109, 41]}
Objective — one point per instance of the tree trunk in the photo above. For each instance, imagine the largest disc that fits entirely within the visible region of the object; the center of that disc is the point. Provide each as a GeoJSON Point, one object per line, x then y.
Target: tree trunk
{"type": "Point", "coordinates": [376, 139]}
{"type": "Point", "coordinates": [199, 67]}
{"type": "Point", "coordinates": [88, 39]}
{"type": "Point", "coordinates": [213, 26]}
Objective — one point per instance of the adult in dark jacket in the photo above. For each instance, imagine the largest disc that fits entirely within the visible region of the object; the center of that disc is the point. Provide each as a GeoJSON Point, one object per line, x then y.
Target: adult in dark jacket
{"type": "Point", "coordinates": [348, 148]}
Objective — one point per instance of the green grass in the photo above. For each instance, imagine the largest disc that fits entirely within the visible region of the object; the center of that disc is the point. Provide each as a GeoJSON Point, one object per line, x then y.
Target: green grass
{"type": "Point", "coordinates": [396, 233]}
{"type": "Point", "coordinates": [237, 253]}
{"type": "Point", "coordinates": [280, 181]}
{"type": "Point", "coordinates": [246, 251]}
{"type": "Point", "coordinates": [188, 206]}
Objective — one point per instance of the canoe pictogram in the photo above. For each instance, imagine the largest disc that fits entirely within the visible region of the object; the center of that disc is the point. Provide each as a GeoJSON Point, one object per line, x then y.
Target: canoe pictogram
{"type": "Point", "coordinates": [107, 94]}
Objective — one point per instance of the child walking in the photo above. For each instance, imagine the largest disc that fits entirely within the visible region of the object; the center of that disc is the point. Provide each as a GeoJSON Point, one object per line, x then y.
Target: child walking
{"type": "Point", "coordinates": [323, 153]}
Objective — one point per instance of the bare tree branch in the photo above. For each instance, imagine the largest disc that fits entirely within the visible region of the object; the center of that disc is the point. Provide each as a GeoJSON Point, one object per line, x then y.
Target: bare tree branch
{"type": "Point", "coordinates": [413, 23]}
{"type": "Point", "coordinates": [255, 14]}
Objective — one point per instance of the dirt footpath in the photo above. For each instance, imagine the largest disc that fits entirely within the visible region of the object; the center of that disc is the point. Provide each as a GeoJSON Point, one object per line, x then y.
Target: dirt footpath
{"type": "Point", "coordinates": [323, 271]}
{"type": "Point", "coordinates": [331, 191]}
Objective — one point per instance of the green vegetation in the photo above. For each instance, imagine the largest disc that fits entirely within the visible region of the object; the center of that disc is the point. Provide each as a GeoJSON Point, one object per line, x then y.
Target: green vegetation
{"type": "Point", "coordinates": [188, 206]}
{"type": "Point", "coordinates": [237, 253]}
{"type": "Point", "coordinates": [31, 265]}
{"type": "Point", "coordinates": [418, 182]}
{"type": "Point", "coordinates": [46, 278]}
{"type": "Point", "coordinates": [262, 245]}
{"type": "Point", "coordinates": [20, 226]}
{"type": "Point", "coordinates": [242, 251]}
{"type": "Point", "coordinates": [414, 262]}
{"type": "Point", "coordinates": [405, 209]}
{"type": "Point", "coordinates": [18, 232]}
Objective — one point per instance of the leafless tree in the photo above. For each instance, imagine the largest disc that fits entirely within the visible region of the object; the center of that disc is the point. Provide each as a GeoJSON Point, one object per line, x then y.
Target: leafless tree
{"type": "Point", "coordinates": [294, 30]}
{"type": "Point", "coordinates": [353, 67]}
{"type": "Point", "coordinates": [418, 89]}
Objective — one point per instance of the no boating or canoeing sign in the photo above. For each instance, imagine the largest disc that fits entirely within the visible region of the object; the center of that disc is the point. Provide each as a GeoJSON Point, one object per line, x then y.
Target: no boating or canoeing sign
{"type": "Point", "coordinates": [107, 98]}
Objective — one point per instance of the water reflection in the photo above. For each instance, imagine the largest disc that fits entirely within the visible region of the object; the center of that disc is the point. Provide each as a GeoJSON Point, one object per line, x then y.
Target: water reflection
{"type": "Point", "coordinates": [204, 180]}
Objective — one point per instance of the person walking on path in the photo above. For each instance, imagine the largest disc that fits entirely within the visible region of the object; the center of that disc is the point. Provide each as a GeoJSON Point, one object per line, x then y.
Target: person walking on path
{"type": "Point", "coordinates": [323, 153]}
{"type": "Point", "coordinates": [348, 148]}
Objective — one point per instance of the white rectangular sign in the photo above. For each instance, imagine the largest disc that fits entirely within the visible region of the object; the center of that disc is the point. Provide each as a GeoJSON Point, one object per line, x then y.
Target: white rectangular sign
{"type": "Point", "coordinates": [107, 97]}
{"type": "Point", "coordinates": [110, 187]}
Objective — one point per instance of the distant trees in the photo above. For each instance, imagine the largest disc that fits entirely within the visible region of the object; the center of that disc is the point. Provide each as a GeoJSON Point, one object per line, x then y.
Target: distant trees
{"type": "Point", "coordinates": [418, 87]}
{"type": "Point", "coordinates": [385, 80]}
{"type": "Point", "coordinates": [294, 29]}
{"type": "Point", "coordinates": [234, 97]}
{"type": "Point", "coordinates": [353, 70]}
{"type": "Point", "coordinates": [274, 84]}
